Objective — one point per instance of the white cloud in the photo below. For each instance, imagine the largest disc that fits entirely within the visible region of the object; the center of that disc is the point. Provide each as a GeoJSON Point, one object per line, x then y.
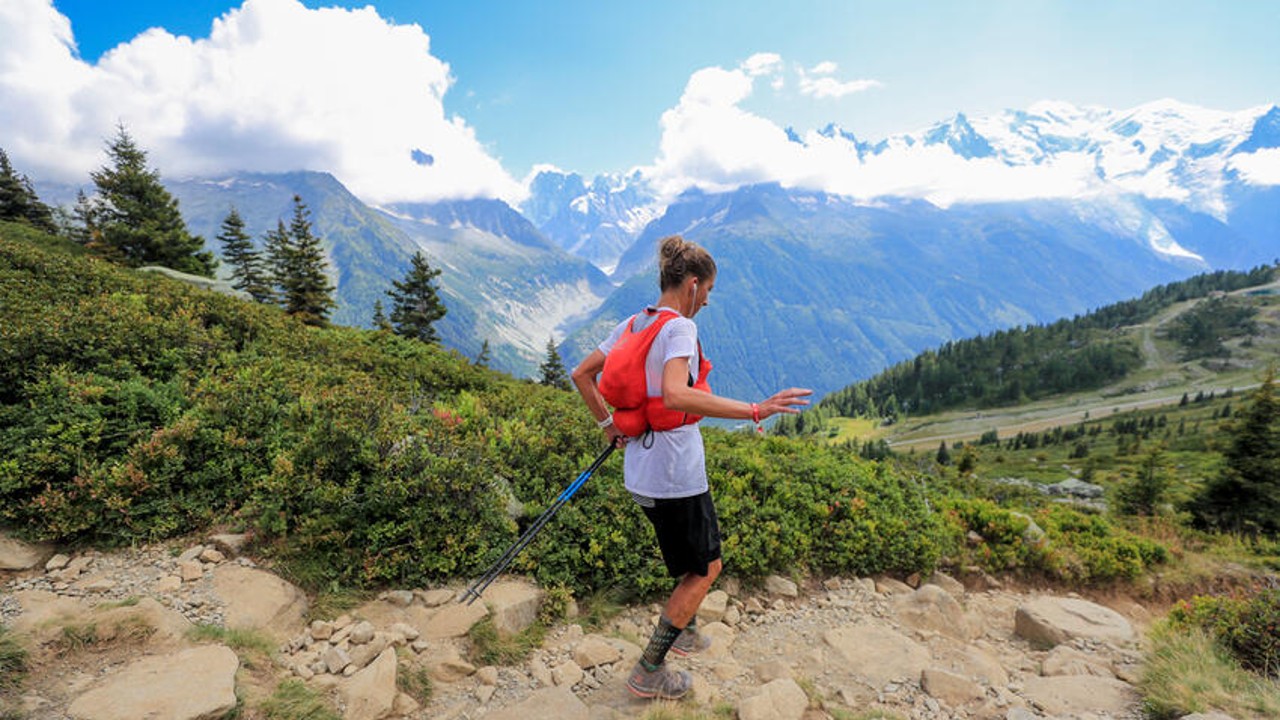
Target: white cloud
{"type": "Point", "coordinates": [1261, 167]}
{"type": "Point", "coordinates": [828, 87]}
{"type": "Point", "coordinates": [710, 141]}
{"type": "Point", "coordinates": [762, 64]}
{"type": "Point", "coordinates": [275, 87]}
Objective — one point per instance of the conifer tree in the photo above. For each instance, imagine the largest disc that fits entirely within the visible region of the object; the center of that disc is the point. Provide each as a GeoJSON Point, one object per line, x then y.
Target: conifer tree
{"type": "Point", "coordinates": [416, 303]}
{"type": "Point", "coordinates": [248, 272]}
{"type": "Point", "coordinates": [280, 259]}
{"type": "Point", "coordinates": [482, 360]}
{"type": "Point", "coordinates": [18, 200]}
{"type": "Point", "coordinates": [308, 292]}
{"type": "Point", "coordinates": [137, 220]}
{"type": "Point", "coordinates": [944, 456]}
{"type": "Point", "coordinates": [380, 321]}
{"type": "Point", "coordinates": [1245, 495]}
{"type": "Point", "coordinates": [553, 372]}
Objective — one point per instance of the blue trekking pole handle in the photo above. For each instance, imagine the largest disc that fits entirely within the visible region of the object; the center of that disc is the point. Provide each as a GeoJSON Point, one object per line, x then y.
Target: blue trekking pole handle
{"type": "Point", "coordinates": [473, 593]}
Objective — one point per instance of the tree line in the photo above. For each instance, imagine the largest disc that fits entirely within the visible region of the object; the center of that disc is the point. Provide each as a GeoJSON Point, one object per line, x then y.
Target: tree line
{"type": "Point", "coordinates": [131, 219]}
{"type": "Point", "coordinates": [1008, 367]}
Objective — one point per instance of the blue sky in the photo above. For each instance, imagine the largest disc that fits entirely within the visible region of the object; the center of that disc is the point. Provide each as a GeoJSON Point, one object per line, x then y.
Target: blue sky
{"type": "Point", "coordinates": [581, 84]}
{"type": "Point", "coordinates": [585, 85]}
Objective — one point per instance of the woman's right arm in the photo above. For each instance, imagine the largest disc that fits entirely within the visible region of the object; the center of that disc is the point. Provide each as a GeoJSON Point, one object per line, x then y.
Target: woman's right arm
{"type": "Point", "coordinates": [584, 378]}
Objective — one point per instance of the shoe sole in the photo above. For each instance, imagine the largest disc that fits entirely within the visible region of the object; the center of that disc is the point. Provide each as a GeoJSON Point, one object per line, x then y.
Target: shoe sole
{"type": "Point", "coordinates": [654, 694]}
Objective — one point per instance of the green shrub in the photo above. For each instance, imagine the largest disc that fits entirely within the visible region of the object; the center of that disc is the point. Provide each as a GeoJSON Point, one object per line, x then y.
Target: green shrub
{"type": "Point", "coordinates": [1248, 626]}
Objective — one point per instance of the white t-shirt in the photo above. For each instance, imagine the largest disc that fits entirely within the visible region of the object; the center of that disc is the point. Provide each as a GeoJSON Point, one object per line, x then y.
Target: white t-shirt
{"type": "Point", "coordinates": [673, 465]}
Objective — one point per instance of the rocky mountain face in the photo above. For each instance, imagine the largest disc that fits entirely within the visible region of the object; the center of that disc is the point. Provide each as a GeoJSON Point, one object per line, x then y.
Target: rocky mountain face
{"type": "Point", "coordinates": [596, 221]}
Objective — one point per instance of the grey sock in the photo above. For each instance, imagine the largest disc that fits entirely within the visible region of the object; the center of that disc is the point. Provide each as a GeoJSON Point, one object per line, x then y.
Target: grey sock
{"type": "Point", "coordinates": [659, 643]}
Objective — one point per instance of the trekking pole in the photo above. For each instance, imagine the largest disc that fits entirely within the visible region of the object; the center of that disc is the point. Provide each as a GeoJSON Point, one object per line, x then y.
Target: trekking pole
{"type": "Point", "coordinates": [473, 593]}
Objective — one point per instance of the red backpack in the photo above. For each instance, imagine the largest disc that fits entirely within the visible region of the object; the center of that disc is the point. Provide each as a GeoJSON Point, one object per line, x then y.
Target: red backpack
{"type": "Point", "coordinates": [623, 385]}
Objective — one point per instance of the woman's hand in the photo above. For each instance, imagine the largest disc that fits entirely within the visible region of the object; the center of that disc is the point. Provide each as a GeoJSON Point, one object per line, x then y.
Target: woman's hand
{"type": "Point", "coordinates": [787, 401]}
{"type": "Point", "coordinates": [616, 437]}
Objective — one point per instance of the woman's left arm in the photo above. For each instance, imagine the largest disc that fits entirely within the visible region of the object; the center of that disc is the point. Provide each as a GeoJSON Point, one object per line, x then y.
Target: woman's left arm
{"type": "Point", "coordinates": [677, 395]}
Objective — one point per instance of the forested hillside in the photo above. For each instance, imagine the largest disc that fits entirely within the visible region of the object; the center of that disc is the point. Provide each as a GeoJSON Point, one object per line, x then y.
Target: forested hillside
{"type": "Point", "coordinates": [1035, 361]}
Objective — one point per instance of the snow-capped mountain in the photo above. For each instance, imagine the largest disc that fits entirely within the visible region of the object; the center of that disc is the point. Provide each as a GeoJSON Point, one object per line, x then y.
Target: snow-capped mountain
{"type": "Point", "coordinates": [597, 222]}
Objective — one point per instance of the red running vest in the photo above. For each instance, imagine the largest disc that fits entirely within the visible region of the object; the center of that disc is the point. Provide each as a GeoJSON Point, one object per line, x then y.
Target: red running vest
{"type": "Point", "coordinates": [623, 384]}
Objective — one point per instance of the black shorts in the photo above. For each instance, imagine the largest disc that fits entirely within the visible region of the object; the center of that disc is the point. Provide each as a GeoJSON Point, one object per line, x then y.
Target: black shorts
{"type": "Point", "coordinates": [688, 533]}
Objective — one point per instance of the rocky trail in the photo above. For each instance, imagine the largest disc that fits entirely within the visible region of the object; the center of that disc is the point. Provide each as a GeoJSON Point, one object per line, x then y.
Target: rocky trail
{"type": "Point", "coordinates": [139, 634]}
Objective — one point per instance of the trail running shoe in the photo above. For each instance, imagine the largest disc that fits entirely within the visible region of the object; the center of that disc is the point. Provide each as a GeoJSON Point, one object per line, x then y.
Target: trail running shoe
{"type": "Point", "coordinates": [661, 683]}
{"type": "Point", "coordinates": [689, 642]}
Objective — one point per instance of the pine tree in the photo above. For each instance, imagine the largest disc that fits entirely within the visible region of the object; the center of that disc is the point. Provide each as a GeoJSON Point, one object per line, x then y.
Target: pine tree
{"type": "Point", "coordinates": [380, 321]}
{"type": "Point", "coordinates": [308, 292]}
{"type": "Point", "coordinates": [1245, 495]}
{"type": "Point", "coordinates": [18, 200]}
{"type": "Point", "coordinates": [247, 269]}
{"type": "Point", "coordinates": [137, 220]}
{"type": "Point", "coordinates": [416, 303]}
{"type": "Point", "coordinates": [482, 360]}
{"type": "Point", "coordinates": [280, 259]}
{"type": "Point", "coordinates": [553, 372]}
{"type": "Point", "coordinates": [944, 456]}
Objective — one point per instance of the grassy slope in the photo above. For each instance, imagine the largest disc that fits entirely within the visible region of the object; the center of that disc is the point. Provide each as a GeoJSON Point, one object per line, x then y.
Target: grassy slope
{"type": "Point", "coordinates": [1161, 382]}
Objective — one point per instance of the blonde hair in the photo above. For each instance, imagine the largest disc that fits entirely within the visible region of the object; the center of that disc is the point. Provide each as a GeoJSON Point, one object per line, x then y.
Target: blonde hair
{"type": "Point", "coordinates": [678, 259]}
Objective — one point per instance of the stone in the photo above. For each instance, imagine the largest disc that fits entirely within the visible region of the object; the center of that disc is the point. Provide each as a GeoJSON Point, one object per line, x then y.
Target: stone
{"type": "Point", "coordinates": [362, 633]}
{"type": "Point", "coordinates": [167, 584]}
{"type": "Point", "coordinates": [566, 674]}
{"type": "Point", "coordinates": [1207, 716]}
{"type": "Point", "coordinates": [434, 598]}
{"type": "Point", "coordinates": [484, 693]}
{"type": "Point", "coordinates": [780, 699]}
{"type": "Point", "coordinates": [732, 616]}
{"type": "Point", "coordinates": [953, 586]}
{"type": "Point", "coordinates": [595, 650]}
{"type": "Point", "coordinates": [362, 655]}
{"type": "Point", "coordinates": [487, 675]}
{"type": "Point", "coordinates": [371, 693]}
{"type": "Point", "coordinates": [1066, 660]}
{"type": "Point", "coordinates": [932, 609]}
{"type": "Point", "coordinates": [539, 671]}
{"type": "Point", "coordinates": [553, 702]}
{"type": "Point", "coordinates": [713, 607]}
{"type": "Point", "coordinates": [190, 570]}
{"type": "Point", "coordinates": [447, 666]}
{"type": "Point", "coordinates": [399, 598]}
{"type": "Point", "coordinates": [513, 605]}
{"type": "Point", "coordinates": [190, 554]}
{"type": "Point", "coordinates": [213, 556]}
{"type": "Point", "coordinates": [320, 630]}
{"type": "Point", "coordinates": [336, 660]}
{"type": "Point", "coordinates": [256, 599]}
{"type": "Point", "coordinates": [231, 544]}
{"type": "Point", "coordinates": [1020, 713]}
{"type": "Point", "coordinates": [778, 585]}
{"type": "Point", "coordinates": [722, 637]}
{"type": "Point", "coordinates": [454, 621]}
{"type": "Point", "coordinates": [405, 705]}
{"type": "Point", "coordinates": [191, 684]}
{"type": "Point", "coordinates": [57, 562]}
{"type": "Point", "coordinates": [754, 606]}
{"type": "Point", "coordinates": [97, 584]}
{"type": "Point", "coordinates": [878, 653]}
{"type": "Point", "coordinates": [970, 661]}
{"type": "Point", "coordinates": [889, 586]}
{"type": "Point", "coordinates": [950, 688]}
{"type": "Point", "coordinates": [1048, 621]}
{"type": "Point", "coordinates": [1069, 694]}
{"type": "Point", "coordinates": [406, 631]}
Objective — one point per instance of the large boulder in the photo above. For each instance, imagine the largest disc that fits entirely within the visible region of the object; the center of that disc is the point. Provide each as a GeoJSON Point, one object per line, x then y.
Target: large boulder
{"type": "Point", "coordinates": [513, 605]}
{"type": "Point", "coordinates": [193, 684]}
{"type": "Point", "coordinates": [371, 693]}
{"type": "Point", "coordinates": [453, 621]}
{"type": "Point", "coordinates": [932, 609]}
{"type": "Point", "coordinates": [1074, 694]}
{"type": "Point", "coordinates": [781, 699]}
{"type": "Point", "coordinates": [878, 653]}
{"type": "Point", "coordinates": [257, 600]}
{"type": "Point", "coordinates": [18, 555]}
{"type": "Point", "coordinates": [1049, 621]}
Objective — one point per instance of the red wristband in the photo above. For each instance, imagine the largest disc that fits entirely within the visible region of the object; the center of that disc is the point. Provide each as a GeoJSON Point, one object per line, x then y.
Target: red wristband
{"type": "Point", "coordinates": [755, 413]}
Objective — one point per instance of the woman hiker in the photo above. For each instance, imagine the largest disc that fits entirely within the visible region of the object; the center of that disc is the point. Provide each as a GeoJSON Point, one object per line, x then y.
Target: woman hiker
{"type": "Point", "coordinates": [655, 358]}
